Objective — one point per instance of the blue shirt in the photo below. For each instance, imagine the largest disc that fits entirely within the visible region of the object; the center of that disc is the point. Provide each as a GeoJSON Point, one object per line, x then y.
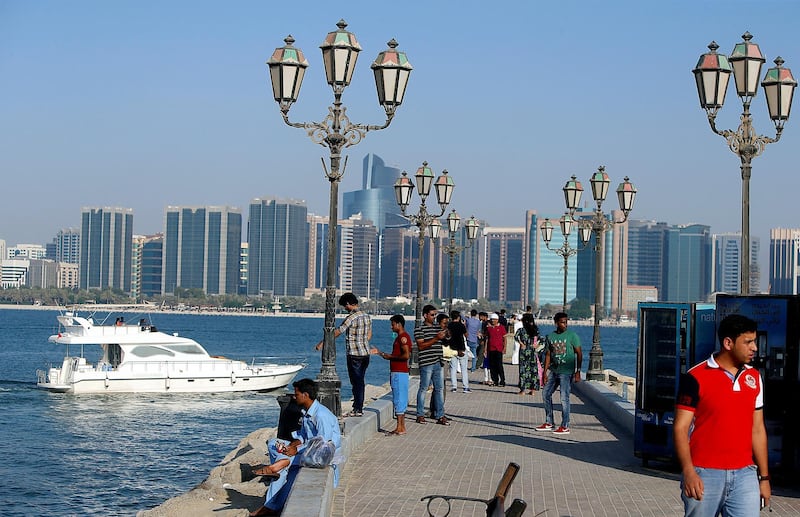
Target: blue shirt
{"type": "Point", "coordinates": [319, 421]}
{"type": "Point", "coordinates": [473, 326]}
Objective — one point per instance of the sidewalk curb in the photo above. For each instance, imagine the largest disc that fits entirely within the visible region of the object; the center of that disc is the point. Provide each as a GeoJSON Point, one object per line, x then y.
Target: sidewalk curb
{"type": "Point", "coordinates": [619, 411]}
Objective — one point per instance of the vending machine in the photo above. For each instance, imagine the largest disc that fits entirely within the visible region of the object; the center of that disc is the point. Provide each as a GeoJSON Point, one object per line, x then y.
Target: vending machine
{"type": "Point", "coordinates": [673, 337]}
{"type": "Point", "coordinates": [778, 362]}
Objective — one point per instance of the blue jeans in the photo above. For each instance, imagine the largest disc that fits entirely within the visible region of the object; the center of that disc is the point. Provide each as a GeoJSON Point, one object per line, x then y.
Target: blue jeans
{"type": "Point", "coordinates": [473, 347]}
{"type": "Point", "coordinates": [356, 370]}
{"type": "Point", "coordinates": [730, 493]}
{"type": "Point", "coordinates": [432, 372]}
{"type": "Point", "coordinates": [553, 381]}
{"type": "Point", "coordinates": [399, 383]}
{"type": "Point", "coordinates": [279, 489]}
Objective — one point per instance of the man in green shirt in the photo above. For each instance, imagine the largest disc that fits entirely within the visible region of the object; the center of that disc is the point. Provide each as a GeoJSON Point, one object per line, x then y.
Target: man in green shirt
{"type": "Point", "coordinates": [562, 366]}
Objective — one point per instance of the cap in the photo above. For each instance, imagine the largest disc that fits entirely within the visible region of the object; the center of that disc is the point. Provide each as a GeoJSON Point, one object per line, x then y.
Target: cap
{"type": "Point", "coordinates": [494, 316]}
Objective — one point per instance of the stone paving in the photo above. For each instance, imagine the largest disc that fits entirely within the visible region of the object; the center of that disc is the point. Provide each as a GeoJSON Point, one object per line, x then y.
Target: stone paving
{"type": "Point", "coordinates": [591, 471]}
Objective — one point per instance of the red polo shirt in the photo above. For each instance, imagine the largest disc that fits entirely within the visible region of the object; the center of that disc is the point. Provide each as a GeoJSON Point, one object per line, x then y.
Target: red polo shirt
{"type": "Point", "coordinates": [723, 406]}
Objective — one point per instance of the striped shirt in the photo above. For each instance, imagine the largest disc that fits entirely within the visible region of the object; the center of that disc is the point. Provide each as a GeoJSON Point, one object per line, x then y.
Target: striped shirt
{"type": "Point", "coordinates": [432, 354]}
{"type": "Point", "coordinates": [357, 326]}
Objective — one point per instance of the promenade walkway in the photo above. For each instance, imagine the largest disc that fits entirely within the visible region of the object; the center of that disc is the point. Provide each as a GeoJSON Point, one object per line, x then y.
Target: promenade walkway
{"type": "Point", "coordinates": [591, 471]}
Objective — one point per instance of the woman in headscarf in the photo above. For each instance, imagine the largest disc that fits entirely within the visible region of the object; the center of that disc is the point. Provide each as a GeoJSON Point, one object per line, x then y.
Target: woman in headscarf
{"type": "Point", "coordinates": [529, 345]}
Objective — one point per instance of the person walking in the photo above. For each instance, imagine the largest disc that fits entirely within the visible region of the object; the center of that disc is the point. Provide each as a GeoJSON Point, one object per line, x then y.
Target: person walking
{"type": "Point", "coordinates": [358, 329]}
{"type": "Point", "coordinates": [458, 344]}
{"type": "Point", "coordinates": [527, 337]}
{"type": "Point", "coordinates": [719, 433]}
{"type": "Point", "coordinates": [496, 344]}
{"type": "Point", "coordinates": [429, 338]}
{"type": "Point", "coordinates": [398, 370]}
{"type": "Point", "coordinates": [473, 324]}
{"type": "Point", "coordinates": [562, 367]}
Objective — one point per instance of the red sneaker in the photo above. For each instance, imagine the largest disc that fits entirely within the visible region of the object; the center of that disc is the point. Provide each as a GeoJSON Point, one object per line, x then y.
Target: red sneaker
{"type": "Point", "coordinates": [544, 427]}
{"type": "Point", "coordinates": [561, 430]}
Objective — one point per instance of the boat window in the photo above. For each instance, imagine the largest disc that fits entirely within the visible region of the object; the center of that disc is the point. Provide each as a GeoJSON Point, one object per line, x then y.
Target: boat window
{"type": "Point", "coordinates": [149, 351]}
{"type": "Point", "coordinates": [187, 349]}
{"type": "Point", "coordinates": [114, 355]}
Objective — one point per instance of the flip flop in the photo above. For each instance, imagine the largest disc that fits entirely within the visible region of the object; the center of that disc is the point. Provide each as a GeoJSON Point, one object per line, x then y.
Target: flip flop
{"type": "Point", "coordinates": [394, 433]}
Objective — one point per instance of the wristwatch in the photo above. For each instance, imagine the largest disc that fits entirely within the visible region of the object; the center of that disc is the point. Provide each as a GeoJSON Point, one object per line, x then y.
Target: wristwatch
{"type": "Point", "coordinates": [763, 478]}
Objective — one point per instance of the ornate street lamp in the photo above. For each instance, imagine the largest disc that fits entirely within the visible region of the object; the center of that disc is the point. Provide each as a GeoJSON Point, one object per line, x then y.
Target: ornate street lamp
{"type": "Point", "coordinates": [712, 74]}
{"type": "Point", "coordinates": [453, 249]}
{"type": "Point", "coordinates": [286, 69]}
{"type": "Point", "coordinates": [598, 224]}
{"type": "Point", "coordinates": [567, 222]}
{"type": "Point", "coordinates": [423, 220]}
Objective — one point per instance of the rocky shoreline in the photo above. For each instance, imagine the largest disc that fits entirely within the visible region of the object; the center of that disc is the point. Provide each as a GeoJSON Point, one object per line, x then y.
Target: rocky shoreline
{"type": "Point", "coordinates": [223, 493]}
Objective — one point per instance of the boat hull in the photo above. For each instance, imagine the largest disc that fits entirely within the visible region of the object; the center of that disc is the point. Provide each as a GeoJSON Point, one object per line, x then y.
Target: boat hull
{"type": "Point", "coordinates": [123, 382]}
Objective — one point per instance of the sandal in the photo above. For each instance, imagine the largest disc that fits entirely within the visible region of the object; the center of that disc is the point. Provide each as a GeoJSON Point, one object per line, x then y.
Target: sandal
{"type": "Point", "coordinates": [353, 413]}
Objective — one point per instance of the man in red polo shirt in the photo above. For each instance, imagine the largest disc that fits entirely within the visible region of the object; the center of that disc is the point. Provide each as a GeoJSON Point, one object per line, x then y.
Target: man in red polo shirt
{"type": "Point", "coordinates": [720, 438]}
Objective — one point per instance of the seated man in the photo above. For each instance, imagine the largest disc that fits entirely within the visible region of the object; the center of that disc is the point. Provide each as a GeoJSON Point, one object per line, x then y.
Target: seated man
{"type": "Point", "coordinates": [317, 421]}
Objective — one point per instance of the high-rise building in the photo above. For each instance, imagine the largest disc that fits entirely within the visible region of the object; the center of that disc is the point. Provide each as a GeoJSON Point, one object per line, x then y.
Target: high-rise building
{"type": "Point", "coordinates": [146, 269]}
{"type": "Point", "coordinates": [465, 264]}
{"type": "Point", "coordinates": [27, 251]}
{"type": "Point", "coordinates": [501, 265]}
{"type": "Point", "coordinates": [726, 262]}
{"type": "Point", "coordinates": [784, 261]}
{"type": "Point", "coordinates": [243, 266]}
{"type": "Point", "coordinates": [67, 246]}
{"type": "Point", "coordinates": [105, 254]}
{"type": "Point", "coordinates": [646, 252]}
{"type": "Point", "coordinates": [358, 257]}
{"type": "Point", "coordinates": [376, 200]}
{"type": "Point", "coordinates": [201, 249]}
{"type": "Point", "coordinates": [687, 264]}
{"type": "Point", "coordinates": [278, 247]}
{"type": "Point", "coordinates": [317, 252]}
{"type": "Point", "coordinates": [68, 276]}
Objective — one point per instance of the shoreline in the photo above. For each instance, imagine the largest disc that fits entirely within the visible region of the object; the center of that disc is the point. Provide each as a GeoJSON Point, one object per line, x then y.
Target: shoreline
{"type": "Point", "coordinates": [203, 312]}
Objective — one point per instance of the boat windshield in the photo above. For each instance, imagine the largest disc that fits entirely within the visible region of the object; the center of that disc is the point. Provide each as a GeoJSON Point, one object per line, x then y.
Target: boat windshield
{"type": "Point", "coordinates": [149, 351]}
{"type": "Point", "coordinates": [186, 349]}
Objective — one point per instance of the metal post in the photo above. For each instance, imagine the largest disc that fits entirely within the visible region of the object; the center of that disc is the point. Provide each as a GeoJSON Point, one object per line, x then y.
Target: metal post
{"type": "Point", "coordinates": [595, 370]}
{"type": "Point", "coordinates": [564, 303]}
{"type": "Point", "coordinates": [745, 257]}
{"type": "Point", "coordinates": [452, 252]}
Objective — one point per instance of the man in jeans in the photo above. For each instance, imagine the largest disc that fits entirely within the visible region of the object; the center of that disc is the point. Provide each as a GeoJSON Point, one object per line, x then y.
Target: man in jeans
{"type": "Point", "coordinates": [358, 328]}
{"type": "Point", "coordinates": [473, 325]}
{"type": "Point", "coordinates": [562, 367]}
{"type": "Point", "coordinates": [429, 338]}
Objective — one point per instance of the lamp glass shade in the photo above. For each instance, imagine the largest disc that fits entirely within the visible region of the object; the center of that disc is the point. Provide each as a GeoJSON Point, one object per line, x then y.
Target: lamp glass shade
{"type": "Point", "coordinates": [626, 193]}
{"type": "Point", "coordinates": [600, 183]}
{"type": "Point", "coordinates": [403, 188]}
{"type": "Point", "coordinates": [585, 231]}
{"type": "Point", "coordinates": [779, 88]}
{"type": "Point", "coordinates": [287, 67]}
{"type": "Point", "coordinates": [712, 73]}
{"type": "Point", "coordinates": [444, 189]}
{"type": "Point", "coordinates": [453, 222]}
{"type": "Point", "coordinates": [434, 228]}
{"type": "Point", "coordinates": [566, 223]}
{"type": "Point", "coordinates": [746, 60]}
{"type": "Point", "coordinates": [472, 228]}
{"type": "Point", "coordinates": [424, 177]}
{"type": "Point", "coordinates": [339, 54]}
{"type": "Point", "coordinates": [392, 70]}
{"type": "Point", "coordinates": [573, 191]}
{"type": "Point", "coordinates": [547, 230]}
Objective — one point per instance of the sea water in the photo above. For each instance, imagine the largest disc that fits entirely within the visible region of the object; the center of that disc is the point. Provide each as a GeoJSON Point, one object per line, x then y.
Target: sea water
{"type": "Point", "coordinates": [116, 454]}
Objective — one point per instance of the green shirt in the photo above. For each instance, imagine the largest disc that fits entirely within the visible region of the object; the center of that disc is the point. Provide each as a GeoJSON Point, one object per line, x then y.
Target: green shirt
{"type": "Point", "coordinates": [562, 351]}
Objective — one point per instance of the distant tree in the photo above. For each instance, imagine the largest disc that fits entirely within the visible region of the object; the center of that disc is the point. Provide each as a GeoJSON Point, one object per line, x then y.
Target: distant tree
{"type": "Point", "coordinates": [580, 309]}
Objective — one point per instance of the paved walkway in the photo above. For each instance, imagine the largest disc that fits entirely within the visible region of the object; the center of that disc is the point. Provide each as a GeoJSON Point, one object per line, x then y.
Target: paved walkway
{"type": "Point", "coordinates": [591, 471]}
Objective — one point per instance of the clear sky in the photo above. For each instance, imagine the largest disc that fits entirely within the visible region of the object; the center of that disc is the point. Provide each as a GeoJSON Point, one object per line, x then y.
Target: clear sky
{"type": "Point", "coordinates": [149, 103]}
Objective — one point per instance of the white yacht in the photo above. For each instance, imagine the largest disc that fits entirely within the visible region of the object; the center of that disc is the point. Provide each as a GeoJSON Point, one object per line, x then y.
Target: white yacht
{"type": "Point", "coordinates": [139, 358]}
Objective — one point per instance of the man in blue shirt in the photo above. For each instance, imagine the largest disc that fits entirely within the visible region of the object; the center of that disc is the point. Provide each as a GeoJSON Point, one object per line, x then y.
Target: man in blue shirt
{"type": "Point", "coordinates": [317, 421]}
{"type": "Point", "coordinates": [473, 327]}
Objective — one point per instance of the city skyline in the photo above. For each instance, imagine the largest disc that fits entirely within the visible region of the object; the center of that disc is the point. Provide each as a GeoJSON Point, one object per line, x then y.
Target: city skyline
{"type": "Point", "coordinates": [150, 105]}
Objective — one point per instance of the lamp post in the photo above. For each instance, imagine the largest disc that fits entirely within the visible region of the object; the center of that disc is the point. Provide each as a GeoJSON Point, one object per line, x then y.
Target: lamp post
{"type": "Point", "coordinates": [565, 251]}
{"type": "Point", "coordinates": [712, 74]}
{"type": "Point", "coordinates": [286, 69]}
{"type": "Point", "coordinates": [423, 220]}
{"type": "Point", "coordinates": [598, 224]}
{"type": "Point", "coordinates": [453, 249]}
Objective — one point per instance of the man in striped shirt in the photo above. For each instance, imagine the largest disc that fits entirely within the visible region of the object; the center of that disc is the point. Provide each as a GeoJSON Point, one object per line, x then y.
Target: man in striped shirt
{"type": "Point", "coordinates": [429, 341]}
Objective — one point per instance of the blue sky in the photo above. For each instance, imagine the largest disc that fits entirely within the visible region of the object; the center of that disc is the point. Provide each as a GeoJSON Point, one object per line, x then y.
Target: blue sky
{"type": "Point", "coordinates": [146, 104]}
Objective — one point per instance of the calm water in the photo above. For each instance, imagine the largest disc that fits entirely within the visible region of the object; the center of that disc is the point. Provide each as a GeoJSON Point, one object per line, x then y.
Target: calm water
{"type": "Point", "coordinates": [117, 454]}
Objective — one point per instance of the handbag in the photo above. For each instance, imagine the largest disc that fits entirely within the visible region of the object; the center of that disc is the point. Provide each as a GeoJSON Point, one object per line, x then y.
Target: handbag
{"type": "Point", "coordinates": [448, 352]}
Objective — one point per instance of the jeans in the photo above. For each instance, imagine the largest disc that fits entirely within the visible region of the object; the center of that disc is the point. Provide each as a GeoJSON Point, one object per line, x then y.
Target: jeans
{"type": "Point", "coordinates": [356, 370]}
{"type": "Point", "coordinates": [496, 368]}
{"type": "Point", "coordinates": [730, 493]}
{"type": "Point", "coordinates": [279, 489]}
{"type": "Point", "coordinates": [432, 372]}
{"type": "Point", "coordinates": [553, 381]}
{"type": "Point", "coordinates": [399, 383]}
{"type": "Point", "coordinates": [454, 371]}
{"type": "Point", "coordinates": [473, 347]}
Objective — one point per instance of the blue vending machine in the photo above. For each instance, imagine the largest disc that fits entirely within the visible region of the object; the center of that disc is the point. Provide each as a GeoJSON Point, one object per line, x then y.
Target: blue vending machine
{"type": "Point", "coordinates": [778, 362]}
{"type": "Point", "coordinates": [673, 337]}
